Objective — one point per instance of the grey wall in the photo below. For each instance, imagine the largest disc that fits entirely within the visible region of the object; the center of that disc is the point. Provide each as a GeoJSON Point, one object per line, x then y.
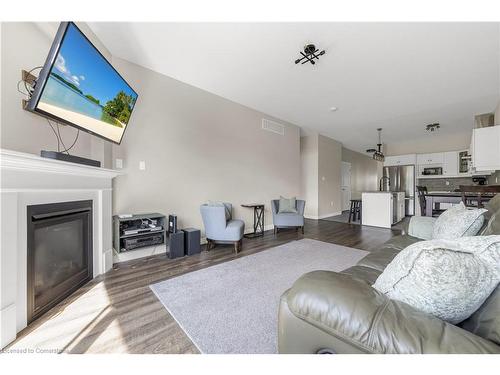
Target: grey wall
{"type": "Point", "coordinates": [320, 175]}
{"type": "Point", "coordinates": [198, 147]}
{"type": "Point", "coordinates": [365, 172]}
{"type": "Point", "coordinates": [309, 174]}
{"type": "Point", "coordinates": [25, 45]}
{"type": "Point", "coordinates": [329, 176]}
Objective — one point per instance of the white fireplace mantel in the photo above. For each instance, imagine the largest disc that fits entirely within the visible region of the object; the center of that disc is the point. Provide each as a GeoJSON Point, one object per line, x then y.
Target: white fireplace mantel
{"type": "Point", "coordinates": [21, 161]}
{"type": "Point", "coordinates": [28, 179]}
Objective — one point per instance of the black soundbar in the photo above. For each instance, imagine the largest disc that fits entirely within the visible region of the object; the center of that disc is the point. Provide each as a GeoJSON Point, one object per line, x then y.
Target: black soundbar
{"type": "Point", "coordinates": [70, 158]}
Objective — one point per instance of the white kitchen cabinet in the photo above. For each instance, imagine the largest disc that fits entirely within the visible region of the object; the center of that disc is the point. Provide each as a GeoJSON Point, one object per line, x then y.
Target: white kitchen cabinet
{"type": "Point", "coordinates": [486, 148]}
{"type": "Point", "coordinates": [450, 163]}
{"type": "Point", "coordinates": [434, 158]}
{"type": "Point", "coordinates": [409, 159]}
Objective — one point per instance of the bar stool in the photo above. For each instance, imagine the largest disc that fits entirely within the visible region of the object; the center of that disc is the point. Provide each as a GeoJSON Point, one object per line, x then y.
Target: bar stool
{"type": "Point", "coordinates": [355, 210]}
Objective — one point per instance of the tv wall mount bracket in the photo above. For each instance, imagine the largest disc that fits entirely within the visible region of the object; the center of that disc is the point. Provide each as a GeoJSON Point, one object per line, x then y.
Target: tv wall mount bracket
{"type": "Point", "coordinates": [30, 79]}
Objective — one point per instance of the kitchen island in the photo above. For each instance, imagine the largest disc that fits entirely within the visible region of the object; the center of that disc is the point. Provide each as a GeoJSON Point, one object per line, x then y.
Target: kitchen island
{"type": "Point", "coordinates": [382, 208]}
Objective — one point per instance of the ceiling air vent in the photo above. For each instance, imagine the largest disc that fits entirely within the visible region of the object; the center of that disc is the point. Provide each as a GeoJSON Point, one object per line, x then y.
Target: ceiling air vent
{"type": "Point", "coordinates": [273, 126]}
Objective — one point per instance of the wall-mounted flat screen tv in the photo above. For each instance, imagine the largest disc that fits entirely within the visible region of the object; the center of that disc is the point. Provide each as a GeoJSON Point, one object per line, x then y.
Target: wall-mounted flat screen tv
{"type": "Point", "coordinates": [79, 87]}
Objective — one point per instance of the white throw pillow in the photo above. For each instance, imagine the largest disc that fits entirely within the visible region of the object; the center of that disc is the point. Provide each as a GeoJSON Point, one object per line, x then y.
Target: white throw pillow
{"type": "Point", "coordinates": [449, 279]}
{"type": "Point", "coordinates": [458, 221]}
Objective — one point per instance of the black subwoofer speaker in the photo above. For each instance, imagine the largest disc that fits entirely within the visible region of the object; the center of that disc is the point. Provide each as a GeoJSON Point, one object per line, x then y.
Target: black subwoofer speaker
{"type": "Point", "coordinates": [176, 245]}
{"type": "Point", "coordinates": [192, 237]}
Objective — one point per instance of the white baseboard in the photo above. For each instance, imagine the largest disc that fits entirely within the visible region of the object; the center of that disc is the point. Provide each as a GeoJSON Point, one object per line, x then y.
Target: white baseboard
{"type": "Point", "coordinates": [247, 231]}
{"type": "Point", "coordinates": [323, 216]}
{"type": "Point", "coordinates": [8, 324]}
{"type": "Point", "coordinates": [266, 227]}
{"type": "Point", "coordinates": [139, 253]}
{"type": "Point", "coordinates": [108, 260]}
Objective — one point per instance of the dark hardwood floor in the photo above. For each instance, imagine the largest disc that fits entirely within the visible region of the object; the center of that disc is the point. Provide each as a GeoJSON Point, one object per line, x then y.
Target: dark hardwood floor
{"type": "Point", "coordinates": [117, 312]}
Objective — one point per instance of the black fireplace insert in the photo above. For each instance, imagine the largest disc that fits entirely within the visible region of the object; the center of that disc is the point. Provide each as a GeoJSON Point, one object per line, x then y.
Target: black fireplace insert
{"type": "Point", "coordinates": [59, 252]}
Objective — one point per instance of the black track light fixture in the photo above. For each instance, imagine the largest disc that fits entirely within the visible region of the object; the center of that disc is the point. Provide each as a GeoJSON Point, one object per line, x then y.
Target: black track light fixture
{"type": "Point", "coordinates": [309, 54]}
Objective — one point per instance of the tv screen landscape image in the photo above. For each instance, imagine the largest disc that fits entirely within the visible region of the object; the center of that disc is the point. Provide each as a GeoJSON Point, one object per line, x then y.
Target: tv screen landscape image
{"type": "Point", "coordinates": [80, 87]}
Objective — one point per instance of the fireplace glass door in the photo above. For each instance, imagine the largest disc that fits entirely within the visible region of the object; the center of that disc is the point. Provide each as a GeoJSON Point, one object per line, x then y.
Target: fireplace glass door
{"type": "Point", "coordinates": [59, 253]}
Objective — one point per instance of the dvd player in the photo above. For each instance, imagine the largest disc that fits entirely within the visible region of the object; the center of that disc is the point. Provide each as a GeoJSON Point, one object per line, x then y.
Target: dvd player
{"type": "Point", "coordinates": [141, 230]}
{"type": "Point", "coordinates": [136, 242]}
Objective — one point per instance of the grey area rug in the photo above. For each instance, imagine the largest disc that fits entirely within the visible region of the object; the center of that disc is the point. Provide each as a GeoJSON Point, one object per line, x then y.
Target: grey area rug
{"type": "Point", "coordinates": [233, 307]}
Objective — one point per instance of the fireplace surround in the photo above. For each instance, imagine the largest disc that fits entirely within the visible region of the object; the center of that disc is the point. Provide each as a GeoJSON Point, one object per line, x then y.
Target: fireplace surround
{"type": "Point", "coordinates": [29, 180]}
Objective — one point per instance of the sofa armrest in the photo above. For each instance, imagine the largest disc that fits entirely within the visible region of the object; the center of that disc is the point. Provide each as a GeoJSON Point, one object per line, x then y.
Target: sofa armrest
{"type": "Point", "coordinates": [421, 227]}
{"type": "Point", "coordinates": [360, 317]}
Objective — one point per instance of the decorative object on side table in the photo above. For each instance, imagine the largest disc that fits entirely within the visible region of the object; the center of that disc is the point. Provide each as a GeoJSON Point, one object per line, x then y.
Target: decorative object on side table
{"type": "Point", "coordinates": [258, 219]}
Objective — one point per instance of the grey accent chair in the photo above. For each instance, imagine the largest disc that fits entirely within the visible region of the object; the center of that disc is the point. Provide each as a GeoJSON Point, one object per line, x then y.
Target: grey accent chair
{"type": "Point", "coordinates": [220, 226]}
{"type": "Point", "coordinates": [288, 220]}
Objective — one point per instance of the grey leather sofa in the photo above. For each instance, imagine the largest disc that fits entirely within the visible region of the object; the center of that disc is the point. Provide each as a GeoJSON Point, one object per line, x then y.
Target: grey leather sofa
{"type": "Point", "coordinates": [333, 312]}
{"type": "Point", "coordinates": [288, 220]}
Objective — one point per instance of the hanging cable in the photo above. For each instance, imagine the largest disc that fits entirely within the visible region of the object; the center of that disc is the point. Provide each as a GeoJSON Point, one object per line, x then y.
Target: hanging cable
{"type": "Point", "coordinates": [58, 141]}
{"type": "Point", "coordinates": [29, 92]}
{"type": "Point", "coordinates": [66, 149]}
{"type": "Point", "coordinates": [74, 142]}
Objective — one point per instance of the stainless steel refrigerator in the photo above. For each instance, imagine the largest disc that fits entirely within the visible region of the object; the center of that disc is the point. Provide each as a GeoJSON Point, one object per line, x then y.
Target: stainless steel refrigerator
{"type": "Point", "coordinates": [401, 178]}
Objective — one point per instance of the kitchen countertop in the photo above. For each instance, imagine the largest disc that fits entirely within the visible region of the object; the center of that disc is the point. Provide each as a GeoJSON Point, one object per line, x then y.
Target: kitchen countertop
{"type": "Point", "coordinates": [381, 192]}
{"type": "Point", "coordinates": [457, 194]}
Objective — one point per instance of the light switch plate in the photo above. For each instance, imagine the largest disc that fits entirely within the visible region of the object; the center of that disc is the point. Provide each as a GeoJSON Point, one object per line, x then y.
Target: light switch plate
{"type": "Point", "coordinates": [119, 163]}
{"type": "Point", "coordinates": [142, 165]}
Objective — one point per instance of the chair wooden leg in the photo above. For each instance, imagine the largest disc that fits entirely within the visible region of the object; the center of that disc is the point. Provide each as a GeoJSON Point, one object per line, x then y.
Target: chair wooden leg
{"type": "Point", "coordinates": [302, 229]}
{"type": "Point", "coordinates": [238, 246]}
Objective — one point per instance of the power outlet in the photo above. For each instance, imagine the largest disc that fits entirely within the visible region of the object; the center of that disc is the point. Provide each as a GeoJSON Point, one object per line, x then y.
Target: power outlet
{"type": "Point", "coordinates": [331, 203]}
{"type": "Point", "coordinates": [142, 165]}
{"type": "Point", "coordinates": [119, 163]}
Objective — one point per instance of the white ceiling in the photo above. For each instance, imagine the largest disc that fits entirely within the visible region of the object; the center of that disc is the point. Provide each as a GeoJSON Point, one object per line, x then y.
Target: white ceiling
{"type": "Point", "coordinates": [399, 76]}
